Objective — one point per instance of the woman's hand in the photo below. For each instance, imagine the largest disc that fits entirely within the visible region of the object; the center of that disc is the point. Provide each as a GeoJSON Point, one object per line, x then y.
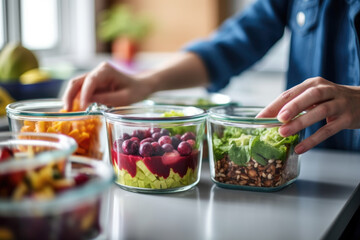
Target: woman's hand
{"type": "Point", "coordinates": [107, 86]}
{"type": "Point", "coordinates": [321, 99]}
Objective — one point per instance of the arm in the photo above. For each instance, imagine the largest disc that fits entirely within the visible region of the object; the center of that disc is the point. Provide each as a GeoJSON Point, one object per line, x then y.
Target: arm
{"type": "Point", "coordinates": [108, 86]}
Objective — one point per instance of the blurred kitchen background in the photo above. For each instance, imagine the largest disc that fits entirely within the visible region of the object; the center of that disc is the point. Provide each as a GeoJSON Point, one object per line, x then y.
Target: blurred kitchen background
{"type": "Point", "coordinates": [70, 37]}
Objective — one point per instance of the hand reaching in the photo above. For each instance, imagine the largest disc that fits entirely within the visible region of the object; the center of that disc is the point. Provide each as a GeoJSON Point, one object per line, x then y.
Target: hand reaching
{"type": "Point", "coordinates": [107, 86]}
{"type": "Point", "coordinates": [321, 99]}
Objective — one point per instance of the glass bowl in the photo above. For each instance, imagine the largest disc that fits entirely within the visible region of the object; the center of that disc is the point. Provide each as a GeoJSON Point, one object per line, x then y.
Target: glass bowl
{"type": "Point", "coordinates": [22, 152]}
{"type": "Point", "coordinates": [53, 206]}
{"type": "Point", "coordinates": [46, 115]}
{"type": "Point", "coordinates": [156, 149]}
{"type": "Point", "coordinates": [249, 153]}
{"type": "Point", "coordinates": [47, 89]}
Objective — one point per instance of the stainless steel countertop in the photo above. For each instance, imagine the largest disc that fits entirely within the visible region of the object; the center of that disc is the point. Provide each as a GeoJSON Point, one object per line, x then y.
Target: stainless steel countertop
{"type": "Point", "coordinates": [317, 205]}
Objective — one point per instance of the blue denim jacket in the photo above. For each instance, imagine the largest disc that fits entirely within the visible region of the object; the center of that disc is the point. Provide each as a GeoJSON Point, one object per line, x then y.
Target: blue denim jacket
{"type": "Point", "coordinates": [324, 42]}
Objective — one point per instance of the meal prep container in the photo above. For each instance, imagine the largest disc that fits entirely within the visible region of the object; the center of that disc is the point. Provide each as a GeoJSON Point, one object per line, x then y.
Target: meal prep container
{"type": "Point", "coordinates": [45, 194]}
{"type": "Point", "coordinates": [247, 152]}
{"type": "Point", "coordinates": [47, 115]}
{"type": "Point", "coordinates": [156, 149]}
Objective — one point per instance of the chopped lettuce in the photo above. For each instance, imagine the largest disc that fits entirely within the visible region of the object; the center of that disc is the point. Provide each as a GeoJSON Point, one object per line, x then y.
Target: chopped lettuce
{"type": "Point", "coordinates": [261, 144]}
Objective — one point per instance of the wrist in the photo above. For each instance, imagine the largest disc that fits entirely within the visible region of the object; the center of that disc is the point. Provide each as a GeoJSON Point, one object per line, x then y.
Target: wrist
{"type": "Point", "coordinates": [149, 82]}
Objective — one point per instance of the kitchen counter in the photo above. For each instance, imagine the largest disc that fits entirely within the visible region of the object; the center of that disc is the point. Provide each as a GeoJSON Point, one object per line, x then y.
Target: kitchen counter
{"type": "Point", "coordinates": [316, 206]}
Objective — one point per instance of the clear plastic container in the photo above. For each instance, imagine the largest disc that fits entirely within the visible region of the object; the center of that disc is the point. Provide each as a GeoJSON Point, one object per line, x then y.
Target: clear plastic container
{"type": "Point", "coordinates": [156, 149]}
{"type": "Point", "coordinates": [47, 115]}
{"type": "Point", "coordinates": [46, 193]}
{"type": "Point", "coordinates": [248, 153]}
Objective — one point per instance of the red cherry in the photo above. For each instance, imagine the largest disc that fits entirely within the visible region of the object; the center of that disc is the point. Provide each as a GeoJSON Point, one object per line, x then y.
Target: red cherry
{"type": "Point", "coordinates": [184, 148]}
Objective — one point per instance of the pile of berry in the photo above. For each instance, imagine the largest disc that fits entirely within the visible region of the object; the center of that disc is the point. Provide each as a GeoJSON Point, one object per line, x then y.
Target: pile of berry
{"type": "Point", "coordinates": [154, 142]}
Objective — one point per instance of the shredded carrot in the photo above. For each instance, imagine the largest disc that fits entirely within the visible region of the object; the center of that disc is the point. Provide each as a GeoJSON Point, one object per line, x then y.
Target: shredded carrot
{"type": "Point", "coordinates": [86, 132]}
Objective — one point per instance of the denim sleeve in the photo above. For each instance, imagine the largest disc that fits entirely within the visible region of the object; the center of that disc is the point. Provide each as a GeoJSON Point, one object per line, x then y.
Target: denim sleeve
{"type": "Point", "coordinates": [241, 40]}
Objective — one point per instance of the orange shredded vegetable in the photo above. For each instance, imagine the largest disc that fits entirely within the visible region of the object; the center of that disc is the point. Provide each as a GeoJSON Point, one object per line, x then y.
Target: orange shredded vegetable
{"type": "Point", "coordinates": [86, 131]}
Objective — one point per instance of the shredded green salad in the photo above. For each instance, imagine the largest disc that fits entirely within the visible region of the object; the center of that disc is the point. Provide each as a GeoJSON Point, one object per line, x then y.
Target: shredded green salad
{"type": "Point", "coordinates": [261, 144]}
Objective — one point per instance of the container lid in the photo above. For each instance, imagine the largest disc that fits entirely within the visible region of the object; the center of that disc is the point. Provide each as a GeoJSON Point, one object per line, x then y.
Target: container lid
{"type": "Point", "coordinates": [238, 114]}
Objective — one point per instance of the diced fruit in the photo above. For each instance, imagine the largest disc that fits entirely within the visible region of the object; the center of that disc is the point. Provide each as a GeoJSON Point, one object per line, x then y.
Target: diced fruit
{"type": "Point", "coordinates": [81, 179]}
{"type": "Point", "coordinates": [187, 136]}
{"type": "Point", "coordinates": [191, 142]}
{"type": "Point", "coordinates": [154, 130]}
{"type": "Point", "coordinates": [164, 139]}
{"type": "Point", "coordinates": [130, 147]}
{"type": "Point", "coordinates": [125, 136]}
{"type": "Point", "coordinates": [117, 145]}
{"type": "Point", "coordinates": [149, 139]}
{"type": "Point", "coordinates": [135, 139]}
{"type": "Point", "coordinates": [167, 147]}
{"type": "Point", "coordinates": [5, 153]}
{"type": "Point", "coordinates": [140, 134]}
{"type": "Point", "coordinates": [175, 141]}
{"type": "Point", "coordinates": [171, 157]}
{"type": "Point", "coordinates": [165, 132]}
{"type": "Point", "coordinates": [184, 148]}
{"type": "Point", "coordinates": [158, 161]}
{"type": "Point", "coordinates": [157, 149]}
{"type": "Point", "coordinates": [146, 149]}
{"type": "Point", "coordinates": [156, 136]}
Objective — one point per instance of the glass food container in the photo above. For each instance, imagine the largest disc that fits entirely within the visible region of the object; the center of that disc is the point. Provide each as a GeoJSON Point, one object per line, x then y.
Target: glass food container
{"type": "Point", "coordinates": [47, 115]}
{"type": "Point", "coordinates": [249, 153]}
{"type": "Point", "coordinates": [156, 149]}
{"type": "Point", "coordinates": [45, 194]}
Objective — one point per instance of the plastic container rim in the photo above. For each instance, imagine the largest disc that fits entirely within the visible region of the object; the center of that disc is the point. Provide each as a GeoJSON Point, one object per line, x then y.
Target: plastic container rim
{"type": "Point", "coordinates": [198, 115]}
{"type": "Point", "coordinates": [216, 114]}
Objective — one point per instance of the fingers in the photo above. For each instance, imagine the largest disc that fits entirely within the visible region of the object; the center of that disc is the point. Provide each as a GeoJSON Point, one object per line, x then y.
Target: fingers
{"type": "Point", "coordinates": [273, 109]}
{"type": "Point", "coordinates": [314, 115]}
{"type": "Point", "coordinates": [72, 89]}
{"type": "Point", "coordinates": [310, 98]}
{"type": "Point", "coordinates": [96, 81]}
{"type": "Point", "coordinates": [319, 136]}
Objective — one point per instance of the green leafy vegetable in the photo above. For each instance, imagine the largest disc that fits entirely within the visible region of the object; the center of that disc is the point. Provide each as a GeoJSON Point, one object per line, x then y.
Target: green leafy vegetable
{"type": "Point", "coordinates": [261, 144]}
{"type": "Point", "coordinates": [239, 155]}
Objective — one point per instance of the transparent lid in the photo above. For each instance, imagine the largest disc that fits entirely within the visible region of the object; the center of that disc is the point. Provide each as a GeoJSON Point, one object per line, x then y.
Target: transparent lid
{"type": "Point", "coordinates": [244, 115]}
{"type": "Point", "coordinates": [155, 113]}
